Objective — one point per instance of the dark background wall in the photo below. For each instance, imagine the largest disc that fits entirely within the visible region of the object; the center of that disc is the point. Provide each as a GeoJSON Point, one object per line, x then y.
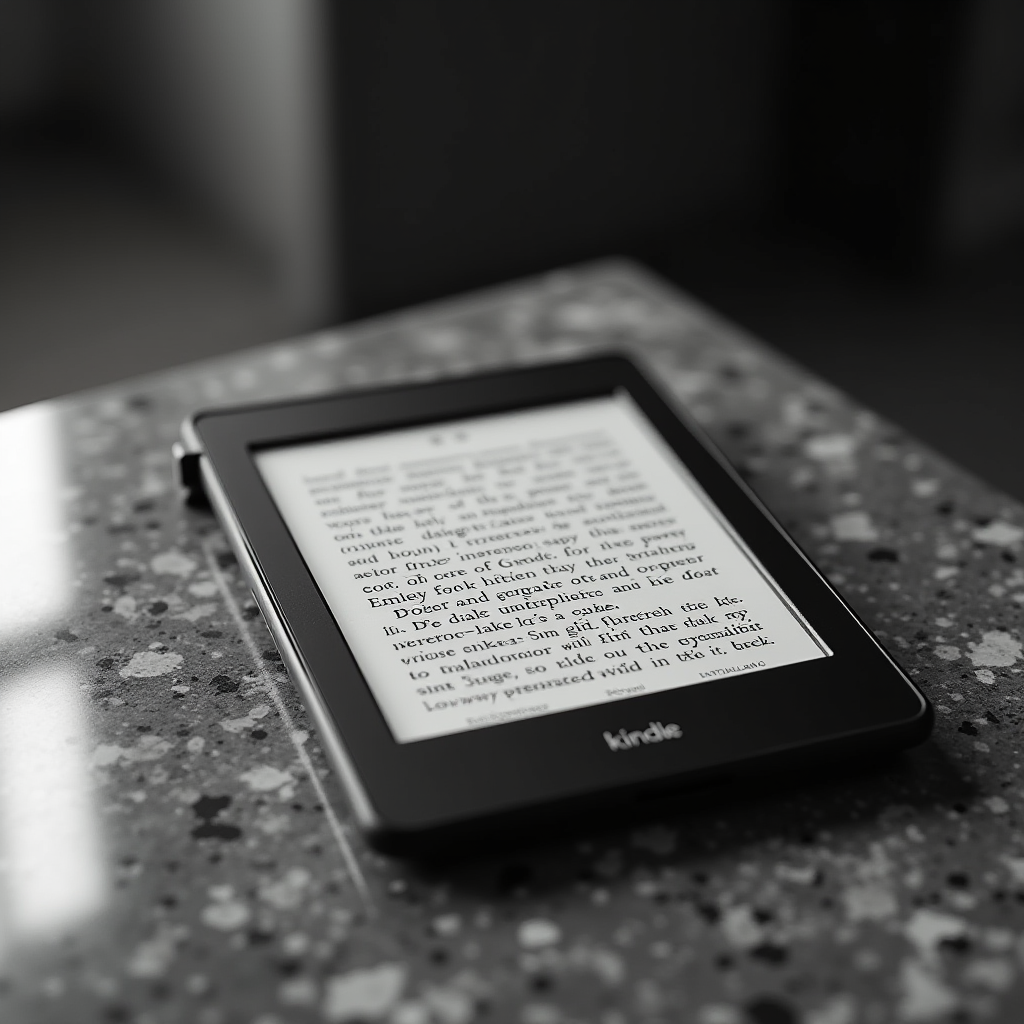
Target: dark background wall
{"type": "Point", "coordinates": [184, 177]}
{"type": "Point", "coordinates": [482, 141]}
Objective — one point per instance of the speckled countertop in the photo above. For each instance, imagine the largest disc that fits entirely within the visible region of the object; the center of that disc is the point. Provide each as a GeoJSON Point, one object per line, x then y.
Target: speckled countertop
{"type": "Point", "coordinates": [173, 846]}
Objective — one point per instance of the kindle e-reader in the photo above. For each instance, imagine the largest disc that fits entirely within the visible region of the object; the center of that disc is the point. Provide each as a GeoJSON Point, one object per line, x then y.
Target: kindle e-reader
{"type": "Point", "coordinates": [535, 593]}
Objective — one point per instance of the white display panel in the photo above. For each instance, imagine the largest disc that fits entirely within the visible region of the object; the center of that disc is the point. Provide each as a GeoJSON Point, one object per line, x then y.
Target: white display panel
{"type": "Point", "coordinates": [521, 564]}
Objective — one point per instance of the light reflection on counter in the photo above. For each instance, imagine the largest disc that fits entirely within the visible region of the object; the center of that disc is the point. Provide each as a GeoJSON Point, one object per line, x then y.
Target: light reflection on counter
{"type": "Point", "coordinates": [34, 562]}
{"type": "Point", "coordinates": [52, 875]}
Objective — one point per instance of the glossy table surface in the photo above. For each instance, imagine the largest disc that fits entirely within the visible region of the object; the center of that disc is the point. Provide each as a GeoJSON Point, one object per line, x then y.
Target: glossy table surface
{"type": "Point", "coordinates": [174, 847]}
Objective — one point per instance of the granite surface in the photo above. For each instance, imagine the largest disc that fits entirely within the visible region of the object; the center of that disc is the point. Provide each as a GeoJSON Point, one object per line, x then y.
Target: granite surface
{"type": "Point", "coordinates": [173, 846]}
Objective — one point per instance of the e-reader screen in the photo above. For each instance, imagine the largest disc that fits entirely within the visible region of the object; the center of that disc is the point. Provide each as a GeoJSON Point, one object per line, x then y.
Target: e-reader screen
{"type": "Point", "coordinates": [512, 565]}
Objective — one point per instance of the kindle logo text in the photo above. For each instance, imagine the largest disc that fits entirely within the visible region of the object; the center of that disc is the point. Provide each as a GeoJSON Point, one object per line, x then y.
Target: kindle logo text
{"type": "Point", "coordinates": [654, 733]}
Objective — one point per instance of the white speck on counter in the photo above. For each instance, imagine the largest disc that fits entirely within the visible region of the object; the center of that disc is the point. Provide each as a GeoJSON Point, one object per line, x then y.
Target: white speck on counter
{"type": "Point", "coordinates": [924, 488]}
{"type": "Point", "coordinates": [447, 925]}
{"type": "Point", "coordinates": [1015, 865]}
{"type": "Point", "coordinates": [996, 650]}
{"type": "Point", "coordinates": [832, 448]}
{"type": "Point", "coordinates": [803, 875]}
{"type": "Point", "coordinates": [740, 927]}
{"type": "Point", "coordinates": [125, 607]}
{"type": "Point", "coordinates": [226, 915]}
{"type": "Point", "coordinates": [537, 932]}
{"type": "Point", "coordinates": [947, 653]}
{"type": "Point", "coordinates": [149, 748]}
{"type": "Point", "coordinates": [197, 612]}
{"type": "Point", "coordinates": [152, 486]}
{"type": "Point", "coordinates": [997, 805]}
{"type": "Point", "coordinates": [207, 588]}
{"type": "Point", "coordinates": [927, 928]}
{"type": "Point", "coordinates": [853, 526]}
{"type": "Point", "coordinates": [265, 778]}
{"type": "Point", "coordinates": [998, 533]}
{"type": "Point", "coordinates": [449, 1004]}
{"type": "Point", "coordinates": [295, 944]}
{"type": "Point", "coordinates": [273, 824]}
{"type": "Point", "coordinates": [237, 725]}
{"type": "Point", "coordinates": [106, 754]}
{"type": "Point", "coordinates": [173, 563]}
{"type": "Point", "coordinates": [153, 956]}
{"type": "Point", "coordinates": [925, 997]}
{"type": "Point", "coordinates": [146, 664]}
{"type": "Point", "coordinates": [872, 901]}
{"type": "Point", "coordinates": [287, 892]}
{"type": "Point", "coordinates": [604, 963]}
{"type": "Point", "coordinates": [364, 995]}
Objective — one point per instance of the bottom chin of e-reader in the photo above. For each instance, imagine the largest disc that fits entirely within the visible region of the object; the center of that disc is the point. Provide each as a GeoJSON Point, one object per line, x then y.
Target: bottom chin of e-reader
{"type": "Point", "coordinates": [727, 788]}
{"type": "Point", "coordinates": [537, 825]}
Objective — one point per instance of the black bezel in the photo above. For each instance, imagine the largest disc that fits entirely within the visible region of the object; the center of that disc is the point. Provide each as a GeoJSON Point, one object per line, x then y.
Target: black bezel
{"type": "Point", "coordinates": [857, 694]}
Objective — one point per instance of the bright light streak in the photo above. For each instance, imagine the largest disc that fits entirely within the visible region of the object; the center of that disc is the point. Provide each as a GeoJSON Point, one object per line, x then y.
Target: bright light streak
{"type": "Point", "coordinates": [34, 571]}
{"type": "Point", "coordinates": [49, 834]}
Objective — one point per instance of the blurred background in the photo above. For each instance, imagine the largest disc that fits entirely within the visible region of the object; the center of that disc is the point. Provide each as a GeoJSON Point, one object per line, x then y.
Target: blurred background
{"type": "Point", "coordinates": [183, 178]}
